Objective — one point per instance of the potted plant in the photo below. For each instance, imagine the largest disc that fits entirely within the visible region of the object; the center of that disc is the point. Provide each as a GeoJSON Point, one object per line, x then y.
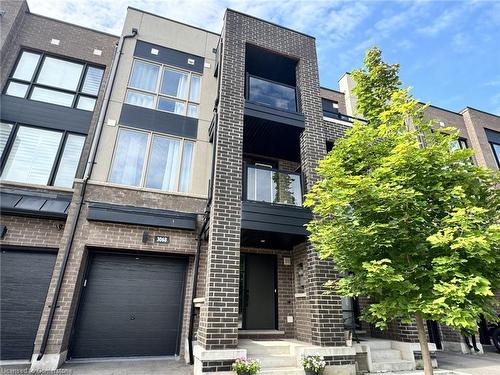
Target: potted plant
{"type": "Point", "coordinates": [244, 366]}
{"type": "Point", "coordinates": [313, 364]}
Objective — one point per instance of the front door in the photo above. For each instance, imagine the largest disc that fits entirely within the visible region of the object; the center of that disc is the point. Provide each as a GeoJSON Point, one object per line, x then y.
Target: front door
{"type": "Point", "coordinates": [434, 336]}
{"type": "Point", "coordinates": [258, 292]}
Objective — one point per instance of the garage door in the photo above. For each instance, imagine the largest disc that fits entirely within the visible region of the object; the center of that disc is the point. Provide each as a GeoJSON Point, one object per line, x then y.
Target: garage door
{"type": "Point", "coordinates": [24, 281]}
{"type": "Point", "coordinates": [131, 305]}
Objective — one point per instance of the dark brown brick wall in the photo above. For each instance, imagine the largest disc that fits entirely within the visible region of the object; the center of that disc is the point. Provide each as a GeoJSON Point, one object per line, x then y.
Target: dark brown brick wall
{"type": "Point", "coordinates": [476, 122]}
{"type": "Point", "coordinates": [218, 325]}
{"type": "Point", "coordinates": [31, 232]}
{"type": "Point", "coordinates": [302, 311]}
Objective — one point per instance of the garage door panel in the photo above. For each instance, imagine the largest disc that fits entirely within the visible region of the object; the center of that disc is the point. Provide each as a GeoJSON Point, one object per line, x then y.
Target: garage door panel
{"type": "Point", "coordinates": [117, 322]}
{"type": "Point", "coordinates": [24, 282]}
{"type": "Point", "coordinates": [131, 306]}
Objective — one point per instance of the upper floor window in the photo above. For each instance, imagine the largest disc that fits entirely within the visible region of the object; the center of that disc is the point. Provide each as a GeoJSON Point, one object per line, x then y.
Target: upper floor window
{"type": "Point", "coordinates": [50, 79]}
{"type": "Point", "coordinates": [496, 151]}
{"type": "Point", "coordinates": [39, 156]}
{"type": "Point", "coordinates": [460, 143]}
{"type": "Point", "coordinates": [273, 94]}
{"type": "Point", "coordinates": [164, 88]}
{"type": "Point", "coordinates": [329, 106]}
{"type": "Point", "coordinates": [151, 160]}
{"type": "Point", "coordinates": [494, 140]}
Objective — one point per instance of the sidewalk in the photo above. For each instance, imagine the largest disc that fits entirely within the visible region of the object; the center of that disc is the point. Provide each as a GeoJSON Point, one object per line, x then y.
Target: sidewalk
{"type": "Point", "coordinates": [487, 364]}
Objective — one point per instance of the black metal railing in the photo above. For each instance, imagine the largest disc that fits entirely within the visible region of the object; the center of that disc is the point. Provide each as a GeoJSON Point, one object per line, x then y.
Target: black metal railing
{"type": "Point", "coordinates": [341, 116]}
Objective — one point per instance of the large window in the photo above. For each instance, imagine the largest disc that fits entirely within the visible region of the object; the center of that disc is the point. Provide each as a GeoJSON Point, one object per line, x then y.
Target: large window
{"type": "Point", "coordinates": [496, 151]}
{"type": "Point", "coordinates": [50, 79]}
{"type": "Point", "coordinates": [151, 160]}
{"type": "Point", "coordinates": [272, 94]}
{"type": "Point", "coordinates": [164, 88]}
{"type": "Point", "coordinates": [39, 156]}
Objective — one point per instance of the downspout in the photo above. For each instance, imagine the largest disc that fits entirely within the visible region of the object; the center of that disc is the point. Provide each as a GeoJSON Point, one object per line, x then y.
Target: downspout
{"type": "Point", "coordinates": [198, 252]}
{"type": "Point", "coordinates": [83, 188]}
{"type": "Point", "coordinates": [206, 219]}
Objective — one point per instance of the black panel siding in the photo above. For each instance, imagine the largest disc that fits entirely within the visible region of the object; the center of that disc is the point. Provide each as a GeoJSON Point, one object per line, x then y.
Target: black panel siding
{"type": "Point", "coordinates": [169, 56]}
{"type": "Point", "coordinates": [131, 306]}
{"type": "Point", "coordinates": [141, 216]}
{"type": "Point", "coordinates": [34, 204]}
{"type": "Point", "coordinates": [275, 115]}
{"type": "Point", "coordinates": [46, 115]}
{"type": "Point", "coordinates": [24, 281]}
{"type": "Point", "coordinates": [163, 122]}
{"type": "Point", "coordinates": [263, 216]}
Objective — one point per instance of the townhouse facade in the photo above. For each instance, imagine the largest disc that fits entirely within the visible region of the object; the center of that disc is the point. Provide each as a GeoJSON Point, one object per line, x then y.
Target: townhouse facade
{"type": "Point", "coordinates": [151, 192]}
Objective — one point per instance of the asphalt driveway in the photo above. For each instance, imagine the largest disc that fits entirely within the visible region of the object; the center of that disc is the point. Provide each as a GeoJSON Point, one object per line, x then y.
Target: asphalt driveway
{"type": "Point", "coordinates": [128, 367]}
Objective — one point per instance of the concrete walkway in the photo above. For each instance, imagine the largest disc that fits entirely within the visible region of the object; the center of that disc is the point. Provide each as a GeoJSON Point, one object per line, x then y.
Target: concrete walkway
{"type": "Point", "coordinates": [487, 364]}
{"type": "Point", "coordinates": [126, 367]}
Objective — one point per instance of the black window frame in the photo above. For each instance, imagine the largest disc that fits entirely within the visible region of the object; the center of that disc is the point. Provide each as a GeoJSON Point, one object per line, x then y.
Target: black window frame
{"type": "Point", "coordinates": [495, 155]}
{"type": "Point", "coordinates": [57, 160]}
{"type": "Point", "coordinates": [295, 89]}
{"type": "Point", "coordinates": [33, 84]}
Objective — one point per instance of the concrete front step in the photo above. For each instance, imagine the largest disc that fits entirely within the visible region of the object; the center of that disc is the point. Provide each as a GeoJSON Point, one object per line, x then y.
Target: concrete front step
{"type": "Point", "coordinates": [378, 344]}
{"type": "Point", "coordinates": [383, 355]}
{"type": "Point", "coordinates": [283, 371]}
{"type": "Point", "coordinates": [278, 360]}
{"type": "Point", "coordinates": [259, 348]}
{"type": "Point", "coordinates": [386, 366]}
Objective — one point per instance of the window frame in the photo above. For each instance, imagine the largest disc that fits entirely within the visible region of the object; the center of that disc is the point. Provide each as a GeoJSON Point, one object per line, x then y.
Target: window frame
{"type": "Point", "coordinates": [57, 160]}
{"type": "Point", "coordinates": [157, 94]}
{"type": "Point", "coordinates": [495, 155]}
{"type": "Point", "coordinates": [147, 157]}
{"type": "Point", "coordinates": [32, 84]}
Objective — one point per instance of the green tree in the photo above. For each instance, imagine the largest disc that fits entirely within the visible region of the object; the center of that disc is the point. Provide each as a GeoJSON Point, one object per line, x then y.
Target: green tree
{"type": "Point", "coordinates": [406, 217]}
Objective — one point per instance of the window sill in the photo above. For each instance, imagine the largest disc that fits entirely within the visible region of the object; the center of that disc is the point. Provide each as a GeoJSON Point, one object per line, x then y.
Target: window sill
{"type": "Point", "coordinates": [137, 188]}
{"type": "Point", "coordinates": [301, 295]}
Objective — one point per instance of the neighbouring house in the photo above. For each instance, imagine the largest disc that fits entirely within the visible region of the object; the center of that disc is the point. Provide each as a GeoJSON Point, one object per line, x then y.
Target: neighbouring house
{"type": "Point", "coordinates": [151, 196]}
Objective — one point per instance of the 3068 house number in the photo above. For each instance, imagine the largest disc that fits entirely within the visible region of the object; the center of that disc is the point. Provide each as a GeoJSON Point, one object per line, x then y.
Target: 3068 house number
{"type": "Point", "coordinates": [162, 239]}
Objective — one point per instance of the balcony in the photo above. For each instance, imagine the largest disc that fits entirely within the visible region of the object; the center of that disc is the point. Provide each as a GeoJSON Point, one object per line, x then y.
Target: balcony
{"type": "Point", "coordinates": [272, 94]}
{"type": "Point", "coordinates": [269, 185]}
{"type": "Point", "coordinates": [272, 212]}
{"type": "Point", "coordinates": [272, 101]}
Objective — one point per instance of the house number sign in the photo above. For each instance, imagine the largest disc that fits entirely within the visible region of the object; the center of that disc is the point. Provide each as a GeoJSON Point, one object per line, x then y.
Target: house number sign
{"type": "Point", "coordinates": [162, 239]}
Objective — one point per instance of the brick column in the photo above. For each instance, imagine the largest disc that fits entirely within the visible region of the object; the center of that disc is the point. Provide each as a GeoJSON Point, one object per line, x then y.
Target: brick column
{"type": "Point", "coordinates": [327, 325]}
{"type": "Point", "coordinates": [218, 328]}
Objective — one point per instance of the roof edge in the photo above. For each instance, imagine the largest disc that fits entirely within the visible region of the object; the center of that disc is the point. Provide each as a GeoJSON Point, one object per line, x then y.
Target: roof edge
{"type": "Point", "coordinates": [269, 22]}
{"type": "Point", "coordinates": [172, 20]}
{"type": "Point", "coordinates": [75, 25]}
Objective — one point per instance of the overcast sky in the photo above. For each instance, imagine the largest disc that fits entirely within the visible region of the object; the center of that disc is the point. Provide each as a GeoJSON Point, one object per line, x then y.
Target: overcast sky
{"type": "Point", "coordinates": [449, 51]}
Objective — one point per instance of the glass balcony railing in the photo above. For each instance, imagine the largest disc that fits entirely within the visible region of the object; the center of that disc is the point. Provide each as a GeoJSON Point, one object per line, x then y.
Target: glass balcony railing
{"type": "Point", "coordinates": [273, 186]}
{"type": "Point", "coordinates": [272, 94]}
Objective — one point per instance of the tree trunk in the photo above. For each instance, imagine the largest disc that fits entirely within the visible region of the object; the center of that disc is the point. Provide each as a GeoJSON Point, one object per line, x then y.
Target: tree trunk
{"type": "Point", "coordinates": [422, 338]}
